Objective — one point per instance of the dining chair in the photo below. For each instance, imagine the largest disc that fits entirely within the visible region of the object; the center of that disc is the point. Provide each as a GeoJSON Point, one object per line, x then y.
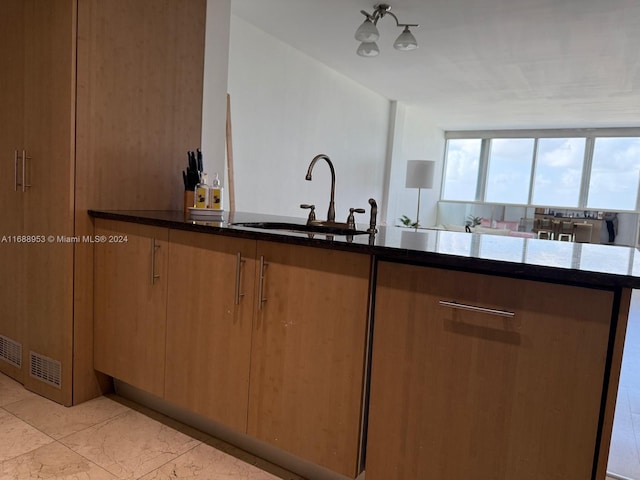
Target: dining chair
{"type": "Point", "coordinates": [582, 232]}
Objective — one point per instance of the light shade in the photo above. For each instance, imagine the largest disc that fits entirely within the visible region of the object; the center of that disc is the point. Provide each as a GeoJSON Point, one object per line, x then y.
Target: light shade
{"type": "Point", "coordinates": [406, 41]}
{"type": "Point", "coordinates": [368, 49]}
{"type": "Point", "coordinates": [420, 173]}
{"type": "Point", "coordinates": [367, 32]}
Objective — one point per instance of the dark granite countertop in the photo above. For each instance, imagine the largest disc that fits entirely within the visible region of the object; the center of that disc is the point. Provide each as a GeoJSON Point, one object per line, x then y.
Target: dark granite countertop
{"type": "Point", "coordinates": [603, 266]}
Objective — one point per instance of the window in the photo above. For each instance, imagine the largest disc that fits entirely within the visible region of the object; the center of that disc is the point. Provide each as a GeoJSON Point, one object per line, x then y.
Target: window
{"type": "Point", "coordinates": [462, 165]}
{"type": "Point", "coordinates": [509, 173]}
{"type": "Point", "coordinates": [573, 169]}
{"type": "Point", "coordinates": [614, 174]}
{"type": "Point", "coordinates": [559, 163]}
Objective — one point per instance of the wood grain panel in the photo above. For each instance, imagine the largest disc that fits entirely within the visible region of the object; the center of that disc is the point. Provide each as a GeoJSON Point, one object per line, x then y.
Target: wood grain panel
{"type": "Point", "coordinates": [140, 77]}
{"type": "Point", "coordinates": [307, 363]}
{"type": "Point", "coordinates": [208, 334]}
{"type": "Point", "coordinates": [49, 142]}
{"type": "Point", "coordinates": [460, 395]}
{"type": "Point", "coordinates": [130, 309]}
{"type": "Point", "coordinates": [12, 280]}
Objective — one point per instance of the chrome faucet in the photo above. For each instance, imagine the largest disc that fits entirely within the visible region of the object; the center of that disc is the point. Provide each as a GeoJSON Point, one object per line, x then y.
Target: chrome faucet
{"type": "Point", "coordinates": [331, 214]}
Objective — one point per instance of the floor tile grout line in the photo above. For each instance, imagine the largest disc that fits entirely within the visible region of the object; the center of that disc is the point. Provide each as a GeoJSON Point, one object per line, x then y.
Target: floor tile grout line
{"type": "Point", "coordinates": [200, 442]}
{"type": "Point", "coordinates": [67, 435]}
{"type": "Point", "coordinates": [125, 412]}
{"type": "Point", "coordinates": [106, 420]}
{"type": "Point", "coordinates": [88, 460]}
{"type": "Point", "coordinates": [32, 450]}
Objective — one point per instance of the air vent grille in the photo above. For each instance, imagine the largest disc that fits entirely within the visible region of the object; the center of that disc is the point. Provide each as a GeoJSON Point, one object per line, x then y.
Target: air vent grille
{"type": "Point", "coordinates": [45, 369]}
{"type": "Point", "coordinates": [10, 351]}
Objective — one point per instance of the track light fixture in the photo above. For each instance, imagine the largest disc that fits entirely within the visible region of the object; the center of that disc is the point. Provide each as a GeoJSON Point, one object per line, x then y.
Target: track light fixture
{"type": "Point", "coordinates": [368, 34]}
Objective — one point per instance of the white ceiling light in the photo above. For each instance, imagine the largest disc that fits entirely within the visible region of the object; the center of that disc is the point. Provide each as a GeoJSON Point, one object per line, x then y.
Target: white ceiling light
{"type": "Point", "coordinates": [368, 49]}
{"type": "Point", "coordinates": [368, 34]}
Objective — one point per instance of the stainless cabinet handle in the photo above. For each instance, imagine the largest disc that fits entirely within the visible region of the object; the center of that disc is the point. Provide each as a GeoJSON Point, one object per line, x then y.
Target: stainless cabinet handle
{"type": "Point", "coordinates": [154, 247]}
{"type": "Point", "coordinates": [24, 171]}
{"type": "Point", "coordinates": [261, 300]}
{"type": "Point", "coordinates": [239, 262]}
{"type": "Point", "coordinates": [15, 175]}
{"type": "Point", "coordinates": [474, 308]}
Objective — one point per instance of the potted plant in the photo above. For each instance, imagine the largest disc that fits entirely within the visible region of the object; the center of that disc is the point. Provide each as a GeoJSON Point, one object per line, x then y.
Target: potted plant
{"type": "Point", "coordinates": [472, 221]}
{"type": "Point", "coordinates": [406, 221]}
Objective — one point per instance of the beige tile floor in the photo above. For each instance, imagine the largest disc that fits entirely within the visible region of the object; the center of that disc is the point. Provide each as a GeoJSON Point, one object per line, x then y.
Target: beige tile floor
{"type": "Point", "coordinates": [624, 455]}
{"type": "Point", "coordinates": [109, 438]}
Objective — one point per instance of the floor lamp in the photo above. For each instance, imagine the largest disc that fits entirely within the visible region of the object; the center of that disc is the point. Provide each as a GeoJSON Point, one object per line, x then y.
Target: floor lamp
{"type": "Point", "coordinates": [420, 175]}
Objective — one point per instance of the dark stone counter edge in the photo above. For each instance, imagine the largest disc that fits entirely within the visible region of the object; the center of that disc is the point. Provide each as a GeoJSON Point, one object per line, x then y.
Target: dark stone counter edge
{"type": "Point", "coordinates": [395, 254]}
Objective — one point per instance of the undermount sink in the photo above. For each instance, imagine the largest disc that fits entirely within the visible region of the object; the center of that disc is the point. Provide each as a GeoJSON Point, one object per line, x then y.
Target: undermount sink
{"type": "Point", "coordinates": [326, 229]}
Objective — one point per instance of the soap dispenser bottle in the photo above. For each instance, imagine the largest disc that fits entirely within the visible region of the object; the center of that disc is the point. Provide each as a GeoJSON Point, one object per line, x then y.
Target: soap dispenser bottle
{"type": "Point", "coordinates": [215, 195]}
{"type": "Point", "coordinates": [202, 193]}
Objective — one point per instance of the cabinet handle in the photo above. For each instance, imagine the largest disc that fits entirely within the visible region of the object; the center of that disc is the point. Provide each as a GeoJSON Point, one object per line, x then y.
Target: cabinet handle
{"type": "Point", "coordinates": [15, 175]}
{"type": "Point", "coordinates": [154, 276]}
{"type": "Point", "coordinates": [24, 171]}
{"type": "Point", "coordinates": [474, 308]}
{"type": "Point", "coordinates": [239, 262]}
{"type": "Point", "coordinates": [261, 300]}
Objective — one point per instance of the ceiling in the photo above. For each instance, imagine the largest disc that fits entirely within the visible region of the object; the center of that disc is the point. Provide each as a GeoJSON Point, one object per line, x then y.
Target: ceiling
{"type": "Point", "coordinates": [481, 64]}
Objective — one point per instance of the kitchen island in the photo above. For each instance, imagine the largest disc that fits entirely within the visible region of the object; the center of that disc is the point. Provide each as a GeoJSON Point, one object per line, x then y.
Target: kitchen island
{"type": "Point", "coordinates": [413, 354]}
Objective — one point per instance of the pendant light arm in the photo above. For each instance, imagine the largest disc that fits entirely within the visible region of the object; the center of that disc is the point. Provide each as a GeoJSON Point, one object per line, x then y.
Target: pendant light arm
{"type": "Point", "coordinates": [382, 10]}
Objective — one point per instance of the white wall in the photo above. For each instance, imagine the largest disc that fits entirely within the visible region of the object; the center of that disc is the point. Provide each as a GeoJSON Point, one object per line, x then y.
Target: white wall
{"type": "Point", "coordinates": [214, 95]}
{"type": "Point", "coordinates": [626, 231]}
{"type": "Point", "coordinates": [286, 108]}
{"type": "Point", "coordinates": [415, 137]}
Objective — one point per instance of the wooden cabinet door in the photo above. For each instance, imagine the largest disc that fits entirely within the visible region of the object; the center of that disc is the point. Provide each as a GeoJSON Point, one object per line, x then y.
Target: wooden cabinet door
{"type": "Point", "coordinates": [461, 394]}
{"type": "Point", "coordinates": [131, 303]}
{"type": "Point", "coordinates": [307, 359]}
{"type": "Point", "coordinates": [48, 144]}
{"type": "Point", "coordinates": [209, 325]}
{"type": "Point", "coordinates": [12, 280]}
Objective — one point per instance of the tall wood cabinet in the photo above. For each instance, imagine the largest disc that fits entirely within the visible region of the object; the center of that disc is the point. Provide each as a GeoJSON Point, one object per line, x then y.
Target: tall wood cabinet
{"type": "Point", "coordinates": [12, 280]}
{"type": "Point", "coordinates": [38, 162]}
{"type": "Point", "coordinates": [485, 377]}
{"type": "Point", "coordinates": [105, 99]}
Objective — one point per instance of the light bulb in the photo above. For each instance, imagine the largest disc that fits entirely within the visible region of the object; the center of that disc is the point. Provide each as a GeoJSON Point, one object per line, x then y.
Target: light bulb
{"type": "Point", "coordinates": [368, 49]}
{"type": "Point", "coordinates": [367, 32]}
{"type": "Point", "coordinates": [406, 41]}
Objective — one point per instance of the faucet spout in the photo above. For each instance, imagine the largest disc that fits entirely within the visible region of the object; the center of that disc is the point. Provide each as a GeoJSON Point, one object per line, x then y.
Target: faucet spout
{"type": "Point", "coordinates": [374, 213]}
{"type": "Point", "coordinates": [331, 214]}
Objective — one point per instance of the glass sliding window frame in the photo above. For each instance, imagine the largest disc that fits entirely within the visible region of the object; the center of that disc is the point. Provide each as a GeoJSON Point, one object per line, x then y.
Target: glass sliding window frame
{"type": "Point", "coordinates": [615, 174]}
{"type": "Point", "coordinates": [462, 168]}
{"type": "Point", "coordinates": [558, 172]}
{"type": "Point", "coordinates": [509, 170]}
{"type": "Point", "coordinates": [586, 199]}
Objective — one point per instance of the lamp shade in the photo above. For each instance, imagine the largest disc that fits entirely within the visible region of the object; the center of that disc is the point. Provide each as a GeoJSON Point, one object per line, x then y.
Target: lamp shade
{"type": "Point", "coordinates": [368, 49]}
{"type": "Point", "coordinates": [367, 32]}
{"type": "Point", "coordinates": [420, 173]}
{"type": "Point", "coordinates": [406, 41]}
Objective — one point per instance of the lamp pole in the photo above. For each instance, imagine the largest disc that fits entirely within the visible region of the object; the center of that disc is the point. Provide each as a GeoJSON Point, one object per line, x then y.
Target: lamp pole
{"type": "Point", "coordinates": [418, 211]}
